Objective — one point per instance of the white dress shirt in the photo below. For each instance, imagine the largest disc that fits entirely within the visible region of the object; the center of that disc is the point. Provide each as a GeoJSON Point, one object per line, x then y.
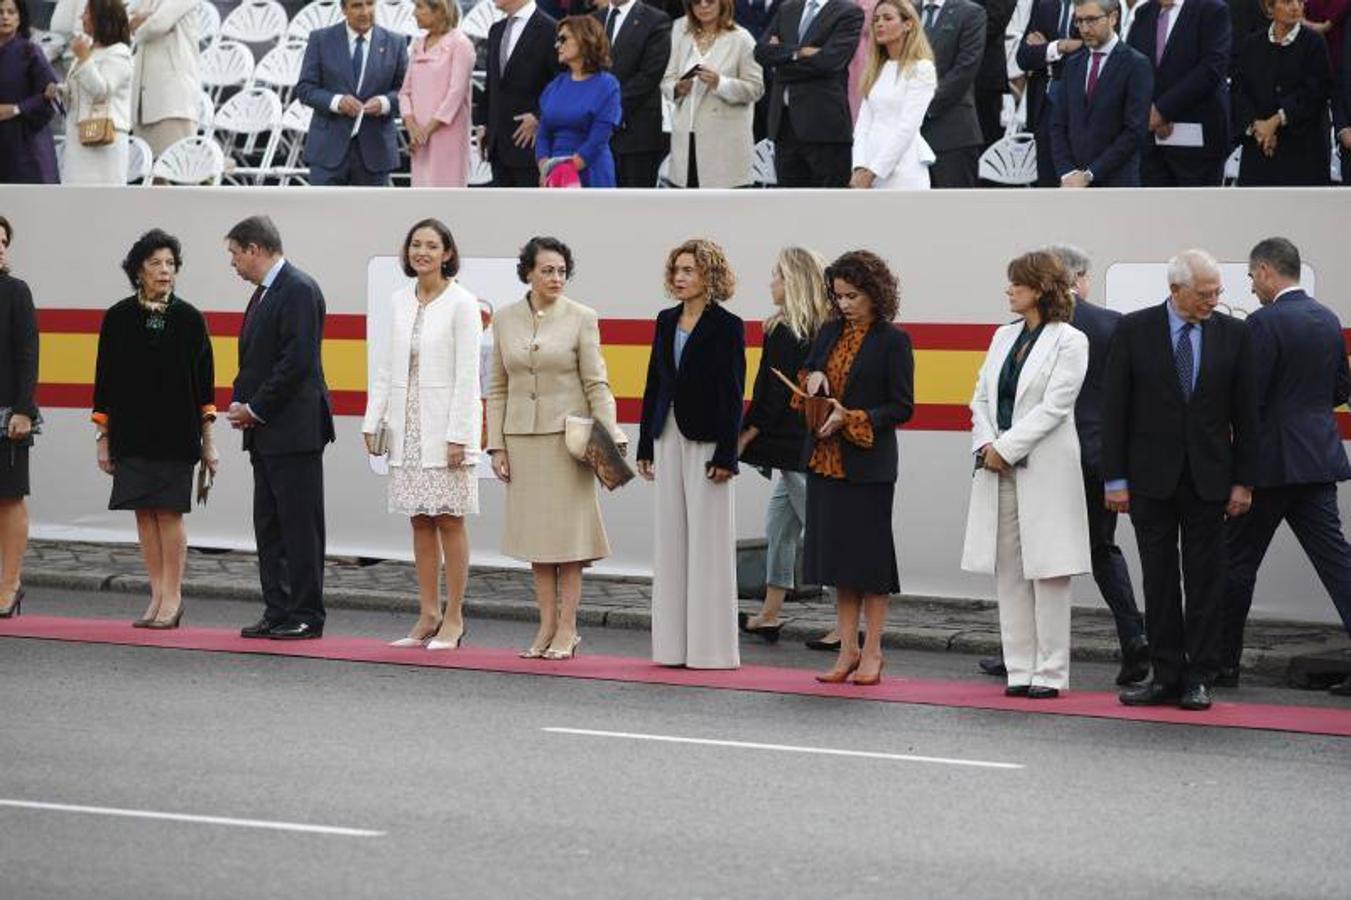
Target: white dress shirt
{"type": "Point", "coordinates": [517, 24]}
{"type": "Point", "coordinates": [365, 58]}
{"type": "Point", "coordinates": [1106, 51]}
{"type": "Point", "coordinates": [618, 11]}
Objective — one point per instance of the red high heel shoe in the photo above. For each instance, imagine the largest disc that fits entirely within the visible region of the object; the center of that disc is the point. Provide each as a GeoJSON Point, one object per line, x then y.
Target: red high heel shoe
{"type": "Point", "coordinates": [839, 676]}
{"type": "Point", "coordinates": [870, 681]}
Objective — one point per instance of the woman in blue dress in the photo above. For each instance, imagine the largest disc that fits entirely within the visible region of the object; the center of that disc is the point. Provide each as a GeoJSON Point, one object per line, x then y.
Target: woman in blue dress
{"type": "Point", "coordinates": [579, 110]}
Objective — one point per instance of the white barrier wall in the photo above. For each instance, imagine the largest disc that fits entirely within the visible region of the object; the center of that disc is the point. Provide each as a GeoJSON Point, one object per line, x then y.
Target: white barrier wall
{"type": "Point", "coordinates": [949, 248]}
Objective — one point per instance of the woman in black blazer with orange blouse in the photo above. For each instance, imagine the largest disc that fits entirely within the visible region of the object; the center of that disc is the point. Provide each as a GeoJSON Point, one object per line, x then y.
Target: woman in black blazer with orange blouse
{"type": "Point", "coordinates": [687, 443]}
{"type": "Point", "coordinates": [867, 367]}
{"type": "Point", "coordinates": [18, 383]}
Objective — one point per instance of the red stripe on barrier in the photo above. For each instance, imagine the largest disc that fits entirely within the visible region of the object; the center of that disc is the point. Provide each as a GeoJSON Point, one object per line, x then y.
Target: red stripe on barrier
{"type": "Point", "coordinates": [982, 694]}
{"type": "Point", "coordinates": [337, 326]}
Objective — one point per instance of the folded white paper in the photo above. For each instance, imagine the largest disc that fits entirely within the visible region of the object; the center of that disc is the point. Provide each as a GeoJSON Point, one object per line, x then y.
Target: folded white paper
{"type": "Point", "coordinates": [1184, 134]}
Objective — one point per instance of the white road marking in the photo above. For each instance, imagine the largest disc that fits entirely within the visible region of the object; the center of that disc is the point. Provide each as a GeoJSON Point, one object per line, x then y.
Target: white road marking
{"type": "Point", "coordinates": [199, 820]}
{"type": "Point", "coordinates": [826, 751]}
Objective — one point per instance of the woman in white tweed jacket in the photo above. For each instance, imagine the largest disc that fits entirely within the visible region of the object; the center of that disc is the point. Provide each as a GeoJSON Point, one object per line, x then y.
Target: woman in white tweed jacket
{"type": "Point", "coordinates": [99, 84]}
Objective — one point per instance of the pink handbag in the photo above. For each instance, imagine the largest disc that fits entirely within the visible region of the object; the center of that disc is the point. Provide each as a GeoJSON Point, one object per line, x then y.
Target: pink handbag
{"type": "Point", "coordinates": [563, 175]}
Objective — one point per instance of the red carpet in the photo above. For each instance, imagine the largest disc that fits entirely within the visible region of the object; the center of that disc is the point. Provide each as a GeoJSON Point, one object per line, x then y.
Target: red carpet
{"type": "Point", "coordinates": [894, 688]}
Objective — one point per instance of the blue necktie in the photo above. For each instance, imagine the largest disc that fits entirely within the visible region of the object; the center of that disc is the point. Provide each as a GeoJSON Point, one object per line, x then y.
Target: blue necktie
{"type": "Point", "coordinates": [813, 7]}
{"type": "Point", "coordinates": [1182, 355]}
{"type": "Point", "coordinates": [357, 53]}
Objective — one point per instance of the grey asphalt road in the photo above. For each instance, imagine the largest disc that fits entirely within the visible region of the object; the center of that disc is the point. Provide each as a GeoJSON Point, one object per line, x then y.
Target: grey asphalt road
{"type": "Point", "coordinates": [472, 797]}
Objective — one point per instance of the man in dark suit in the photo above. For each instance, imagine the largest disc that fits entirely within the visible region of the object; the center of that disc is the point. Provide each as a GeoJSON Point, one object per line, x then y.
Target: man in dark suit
{"type": "Point", "coordinates": [1301, 375]}
{"type": "Point", "coordinates": [1096, 133]}
{"type": "Point", "coordinates": [640, 45]}
{"type": "Point", "coordinates": [1189, 46]}
{"type": "Point", "coordinates": [956, 32]}
{"type": "Point", "coordinates": [350, 77]}
{"type": "Point", "coordinates": [754, 15]}
{"type": "Point", "coordinates": [1341, 110]}
{"type": "Point", "coordinates": [1179, 453]}
{"type": "Point", "coordinates": [281, 403]}
{"type": "Point", "coordinates": [1049, 39]}
{"type": "Point", "coordinates": [521, 63]}
{"type": "Point", "coordinates": [992, 79]}
{"type": "Point", "coordinates": [806, 48]}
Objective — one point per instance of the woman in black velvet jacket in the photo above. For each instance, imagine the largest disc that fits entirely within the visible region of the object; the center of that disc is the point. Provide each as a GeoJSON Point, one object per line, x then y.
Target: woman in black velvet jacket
{"type": "Point", "coordinates": [18, 384]}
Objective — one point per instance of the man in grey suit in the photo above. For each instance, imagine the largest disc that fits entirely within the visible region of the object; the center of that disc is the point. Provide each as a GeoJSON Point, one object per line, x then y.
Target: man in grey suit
{"type": "Point", "coordinates": [956, 31]}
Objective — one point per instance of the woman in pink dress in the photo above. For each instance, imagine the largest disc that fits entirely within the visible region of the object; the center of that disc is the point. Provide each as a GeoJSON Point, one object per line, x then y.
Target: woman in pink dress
{"type": "Point", "coordinates": [434, 99]}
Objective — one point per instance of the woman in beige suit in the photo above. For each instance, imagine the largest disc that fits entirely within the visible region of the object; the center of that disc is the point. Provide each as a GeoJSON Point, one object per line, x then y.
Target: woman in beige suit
{"type": "Point", "coordinates": [714, 81]}
{"type": "Point", "coordinates": [166, 76]}
{"type": "Point", "coordinates": [547, 365]}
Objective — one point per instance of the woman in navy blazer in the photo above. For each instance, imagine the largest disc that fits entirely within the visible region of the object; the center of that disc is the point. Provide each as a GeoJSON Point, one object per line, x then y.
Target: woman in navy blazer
{"type": "Point", "coordinates": [696, 378]}
{"type": "Point", "coordinates": [867, 367]}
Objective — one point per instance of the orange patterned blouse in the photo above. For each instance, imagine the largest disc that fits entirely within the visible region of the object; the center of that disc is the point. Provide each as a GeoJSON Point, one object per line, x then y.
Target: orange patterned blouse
{"type": "Point", "coordinates": [827, 459]}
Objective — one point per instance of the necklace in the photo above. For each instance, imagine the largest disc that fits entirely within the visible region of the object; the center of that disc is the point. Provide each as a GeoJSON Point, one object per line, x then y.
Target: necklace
{"type": "Point", "coordinates": [704, 38]}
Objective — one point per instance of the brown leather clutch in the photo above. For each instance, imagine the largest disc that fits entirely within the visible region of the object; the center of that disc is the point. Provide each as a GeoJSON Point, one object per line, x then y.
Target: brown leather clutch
{"type": "Point", "coordinates": [816, 410]}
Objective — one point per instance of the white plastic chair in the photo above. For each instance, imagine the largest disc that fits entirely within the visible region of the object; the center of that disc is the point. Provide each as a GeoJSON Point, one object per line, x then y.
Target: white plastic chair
{"type": "Point", "coordinates": [206, 112]}
{"type": "Point", "coordinates": [279, 69]}
{"type": "Point", "coordinates": [290, 140]}
{"type": "Point", "coordinates": [762, 165]}
{"type": "Point", "coordinates": [398, 18]}
{"type": "Point", "coordinates": [1231, 167]}
{"type": "Point", "coordinates": [319, 14]}
{"type": "Point", "coordinates": [255, 23]}
{"type": "Point", "coordinates": [192, 160]}
{"type": "Point", "coordinates": [226, 64]}
{"type": "Point", "coordinates": [480, 170]}
{"type": "Point", "coordinates": [240, 123]}
{"type": "Point", "coordinates": [140, 159]}
{"type": "Point", "coordinates": [479, 19]}
{"type": "Point", "coordinates": [1011, 160]}
{"type": "Point", "coordinates": [50, 43]}
{"type": "Point", "coordinates": [208, 23]}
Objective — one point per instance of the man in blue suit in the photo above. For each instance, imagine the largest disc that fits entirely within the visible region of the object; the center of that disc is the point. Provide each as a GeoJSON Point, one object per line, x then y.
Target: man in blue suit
{"type": "Point", "coordinates": [1099, 125]}
{"type": "Point", "coordinates": [1302, 374]}
{"type": "Point", "coordinates": [351, 77]}
{"type": "Point", "coordinates": [1188, 44]}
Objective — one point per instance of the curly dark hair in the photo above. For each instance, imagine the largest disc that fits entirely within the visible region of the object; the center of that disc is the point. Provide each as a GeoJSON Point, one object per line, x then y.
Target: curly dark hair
{"type": "Point", "coordinates": [147, 245]}
{"type": "Point", "coordinates": [591, 42]}
{"type": "Point", "coordinates": [110, 22]}
{"type": "Point", "coordinates": [525, 260]}
{"type": "Point", "coordinates": [867, 272]}
{"type": "Point", "coordinates": [1044, 273]}
{"type": "Point", "coordinates": [711, 261]}
{"type": "Point", "coordinates": [451, 267]}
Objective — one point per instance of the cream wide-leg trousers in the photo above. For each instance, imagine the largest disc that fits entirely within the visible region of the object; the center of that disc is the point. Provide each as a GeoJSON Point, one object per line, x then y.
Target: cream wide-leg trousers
{"type": "Point", "coordinates": [694, 567]}
{"type": "Point", "coordinates": [1034, 614]}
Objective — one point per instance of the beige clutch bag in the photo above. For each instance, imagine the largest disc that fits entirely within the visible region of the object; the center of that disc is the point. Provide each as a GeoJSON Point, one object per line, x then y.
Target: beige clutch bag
{"type": "Point", "coordinates": [590, 444]}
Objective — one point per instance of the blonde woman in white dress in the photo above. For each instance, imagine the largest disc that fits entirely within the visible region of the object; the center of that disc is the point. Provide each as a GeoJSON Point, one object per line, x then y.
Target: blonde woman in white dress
{"type": "Point", "coordinates": [897, 86]}
{"type": "Point", "coordinates": [99, 84]}
{"type": "Point", "coordinates": [426, 391]}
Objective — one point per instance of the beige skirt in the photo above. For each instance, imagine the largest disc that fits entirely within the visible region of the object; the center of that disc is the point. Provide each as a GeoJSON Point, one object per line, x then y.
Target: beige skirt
{"type": "Point", "coordinates": [553, 515]}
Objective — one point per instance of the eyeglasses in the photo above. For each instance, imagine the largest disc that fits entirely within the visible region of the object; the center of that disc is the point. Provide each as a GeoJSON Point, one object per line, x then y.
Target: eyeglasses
{"type": "Point", "coordinates": [1215, 294]}
{"type": "Point", "coordinates": [704, 2]}
{"type": "Point", "coordinates": [1081, 21]}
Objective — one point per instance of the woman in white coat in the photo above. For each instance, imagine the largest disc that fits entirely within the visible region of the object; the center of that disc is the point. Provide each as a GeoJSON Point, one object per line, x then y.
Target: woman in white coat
{"type": "Point", "coordinates": [713, 80]}
{"type": "Point", "coordinates": [166, 77]}
{"type": "Point", "coordinates": [425, 390]}
{"type": "Point", "coordinates": [897, 85]}
{"type": "Point", "coordinates": [98, 86]}
{"type": "Point", "coordinates": [1027, 522]}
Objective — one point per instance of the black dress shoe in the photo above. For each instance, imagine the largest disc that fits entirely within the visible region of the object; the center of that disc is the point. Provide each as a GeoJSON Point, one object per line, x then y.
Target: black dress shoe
{"type": "Point", "coordinates": [741, 620]}
{"type": "Point", "coordinates": [1134, 662]}
{"type": "Point", "coordinates": [1196, 698]}
{"type": "Point", "coordinates": [1341, 688]}
{"type": "Point", "coordinates": [994, 666]}
{"type": "Point", "coordinates": [832, 646]}
{"type": "Point", "coordinates": [1041, 692]}
{"type": "Point", "coordinates": [260, 629]}
{"type": "Point", "coordinates": [1017, 690]}
{"type": "Point", "coordinates": [297, 631]}
{"type": "Point", "coordinates": [1150, 694]}
{"type": "Point", "coordinates": [1227, 677]}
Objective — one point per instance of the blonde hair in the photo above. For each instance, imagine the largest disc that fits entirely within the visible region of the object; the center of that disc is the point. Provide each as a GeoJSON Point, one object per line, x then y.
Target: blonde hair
{"type": "Point", "coordinates": [805, 304]}
{"type": "Point", "coordinates": [915, 47]}
{"type": "Point", "coordinates": [448, 9]}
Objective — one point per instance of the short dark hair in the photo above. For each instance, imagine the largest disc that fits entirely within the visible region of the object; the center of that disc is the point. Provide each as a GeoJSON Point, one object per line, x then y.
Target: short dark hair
{"type": "Point", "coordinates": [525, 261]}
{"type": "Point", "coordinates": [1044, 273]}
{"type": "Point", "coordinates": [8, 228]}
{"type": "Point", "coordinates": [591, 42]}
{"type": "Point", "coordinates": [110, 22]}
{"type": "Point", "coordinates": [256, 230]}
{"type": "Point", "coordinates": [866, 271]}
{"type": "Point", "coordinates": [147, 245]}
{"type": "Point", "coordinates": [1279, 253]}
{"type": "Point", "coordinates": [450, 267]}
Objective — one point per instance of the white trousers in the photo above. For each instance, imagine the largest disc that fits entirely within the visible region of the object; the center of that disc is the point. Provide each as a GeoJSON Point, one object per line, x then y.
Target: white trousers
{"type": "Point", "coordinates": [1034, 614]}
{"type": "Point", "coordinates": [694, 566]}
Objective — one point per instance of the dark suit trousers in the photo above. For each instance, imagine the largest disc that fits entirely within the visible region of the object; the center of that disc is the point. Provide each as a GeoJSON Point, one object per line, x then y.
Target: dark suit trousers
{"type": "Point", "coordinates": [515, 176]}
{"type": "Point", "coordinates": [351, 171]}
{"type": "Point", "coordinates": [955, 168]}
{"type": "Point", "coordinates": [1168, 167]}
{"type": "Point", "coordinates": [288, 527]}
{"type": "Point", "coordinates": [989, 107]}
{"type": "Point", "coordinates": [1184, 644]}
{"type": "Point", "coordinates": [1311, 512]}
{"type": "Point", "coordinates": [807, 164]}
{"type": "Point", "coordinates": [638, 170]}
{"type": "Point", "coordinates": [1109, 564]}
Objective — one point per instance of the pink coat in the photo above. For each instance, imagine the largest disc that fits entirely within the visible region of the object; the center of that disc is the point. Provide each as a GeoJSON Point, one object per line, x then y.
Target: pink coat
{"type": "Point", "coordinates": [438, 86]}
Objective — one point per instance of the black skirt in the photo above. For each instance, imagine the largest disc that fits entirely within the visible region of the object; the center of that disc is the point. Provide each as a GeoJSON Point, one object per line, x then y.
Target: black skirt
{"type": "Point", "coordinates": [13, 470]}
{"type": "Point", "coordinates": [140, 483]}
{"type": "Point", "coordinates": [849, 542]}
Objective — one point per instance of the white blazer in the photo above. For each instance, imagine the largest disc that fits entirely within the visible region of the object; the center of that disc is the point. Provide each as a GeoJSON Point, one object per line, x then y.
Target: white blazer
{"type": "Point", "coordinates": [1051, 510]}
{"type": "Point", "coordinates": [166, 81]}
{"type": "Point", "coordinates": [448, 377]}
{"type": "Point", "coordinates": [104, 77]}
{"type": "Point", "coordinates": [887, 141]}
